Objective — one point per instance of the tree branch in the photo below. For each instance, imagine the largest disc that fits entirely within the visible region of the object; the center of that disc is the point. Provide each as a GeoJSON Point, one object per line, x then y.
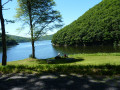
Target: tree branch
{"type": "Point", "coordinates": [6, 2]}
{"type": "Point", "coordinates": [6, 9]}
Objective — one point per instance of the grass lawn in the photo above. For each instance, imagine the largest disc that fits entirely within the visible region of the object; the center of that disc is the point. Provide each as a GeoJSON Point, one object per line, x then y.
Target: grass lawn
{"type": "Point", "coordinates": [88, 64]}
{"type": "Point", "coordinates": [98, 58]}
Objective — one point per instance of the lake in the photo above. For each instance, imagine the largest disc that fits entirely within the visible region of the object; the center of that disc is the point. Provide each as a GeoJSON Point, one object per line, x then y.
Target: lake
{"type": "Point", "coordinates": [44, 49]}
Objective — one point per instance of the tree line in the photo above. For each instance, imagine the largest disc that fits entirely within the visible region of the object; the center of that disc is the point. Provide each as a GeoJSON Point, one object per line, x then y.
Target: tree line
{"type": "Point", "coordinates": [14, 40]}
{"type": "Point", "coordinates": [19, 39]}
{"type": "Point", "coordinates": [100, 25]}
{"type": "Point", "coordinates": [9, 41]}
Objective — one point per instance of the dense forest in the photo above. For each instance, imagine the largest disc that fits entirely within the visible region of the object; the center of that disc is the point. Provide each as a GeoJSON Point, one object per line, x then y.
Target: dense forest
{"type": "Point", "coordinates": [100, 25]}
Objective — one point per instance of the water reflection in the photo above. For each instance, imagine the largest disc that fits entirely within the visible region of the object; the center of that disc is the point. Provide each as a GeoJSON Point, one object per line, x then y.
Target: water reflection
{"type": "Point", "coordinates": [44, 49]}
{"type": "Point", "coordinates": [88, 49]}
{"type": "Point", "coordinates": [0, 49]}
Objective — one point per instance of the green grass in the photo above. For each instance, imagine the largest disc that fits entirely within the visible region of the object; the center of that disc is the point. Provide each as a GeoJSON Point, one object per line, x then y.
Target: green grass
{"type": "Point", "coordinates": [86, 64]}
{"type": "Point", "coordinates": [98, 58]}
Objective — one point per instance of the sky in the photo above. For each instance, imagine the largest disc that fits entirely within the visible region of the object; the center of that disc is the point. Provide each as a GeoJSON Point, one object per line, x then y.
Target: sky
{"type": "Point", "coordinates": [69, 9]}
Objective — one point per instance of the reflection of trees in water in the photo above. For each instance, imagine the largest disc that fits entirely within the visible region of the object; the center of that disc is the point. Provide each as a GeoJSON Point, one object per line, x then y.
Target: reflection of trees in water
{"type": "Point", "coordinates": [0, 49]}
{"type": "Point", "coordinates": [67, 50]}
{"type": "Point", "coordinates": [87, 49]}
{"type": "Point", "coordinates": [8, 47]}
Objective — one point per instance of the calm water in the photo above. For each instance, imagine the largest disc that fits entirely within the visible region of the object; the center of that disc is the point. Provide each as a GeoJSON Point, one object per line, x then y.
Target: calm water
{"type": "Point", "coordinates": [44, 49]}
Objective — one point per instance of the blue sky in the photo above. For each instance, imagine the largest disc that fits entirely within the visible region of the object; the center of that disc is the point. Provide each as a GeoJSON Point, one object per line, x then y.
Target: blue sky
{"type": "Point", "coordinates": [69, 9]}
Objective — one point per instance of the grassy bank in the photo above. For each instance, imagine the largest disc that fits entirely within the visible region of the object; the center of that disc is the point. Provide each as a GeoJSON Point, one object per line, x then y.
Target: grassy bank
{"type": "Point", "coordinates": [86, 64]}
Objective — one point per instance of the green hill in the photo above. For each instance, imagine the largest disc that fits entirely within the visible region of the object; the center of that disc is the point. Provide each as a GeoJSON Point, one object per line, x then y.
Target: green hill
{"type": "Point", "coordinates": [10, 41]}
{"type": "Point", "coordinates": [20, 39]}
{"type": "Point", "coordinates": [100, 25]}
{"type": "Point", "coordinates": [13, 40]}
{"type": "Point", "coordinates": [46, 37]}
{"type": "Point", "coordinates": [24, 39]}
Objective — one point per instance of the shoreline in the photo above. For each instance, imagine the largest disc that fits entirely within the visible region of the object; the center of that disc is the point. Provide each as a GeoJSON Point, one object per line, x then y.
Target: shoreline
{"type": "Point", "coordinates": [84, 64]}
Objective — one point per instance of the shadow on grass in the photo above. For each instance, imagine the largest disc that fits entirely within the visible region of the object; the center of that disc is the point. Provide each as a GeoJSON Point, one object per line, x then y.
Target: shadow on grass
{"type": "Point", "coordinates": [41, 61]}
{"type": "Point", "coordinates": [57, 82]}
{"type": "Point", "coordinates": [59, 61]}
{"type": "Point", "coordinates": [63, 68]}
{"type": "Point", "coordinates": [66, 60]}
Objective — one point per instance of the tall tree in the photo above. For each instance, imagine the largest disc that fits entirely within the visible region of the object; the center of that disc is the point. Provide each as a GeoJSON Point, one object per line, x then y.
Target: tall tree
{"type": "Point", "coordinates": [4, 56]}
{"type": "Point", "coordinates": [40, 16]}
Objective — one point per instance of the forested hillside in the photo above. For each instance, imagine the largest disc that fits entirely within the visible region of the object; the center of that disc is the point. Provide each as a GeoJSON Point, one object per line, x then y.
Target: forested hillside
{"type": "Point", "coordinates": [10, 41]}
{"type": "Point", "coordinates": [24, 39]}
{"type": "Point", "coordinates": [100, 25]}
{"type": "Point", "coordinates": [20, 39]}
{"type": "Point", "coordinates": [14, 40]}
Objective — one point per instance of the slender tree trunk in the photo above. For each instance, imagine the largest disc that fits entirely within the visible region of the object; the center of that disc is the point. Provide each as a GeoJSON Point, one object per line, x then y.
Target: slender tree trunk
{"type": "Point", "coordinates": [32, 39]}
{"type": "Point", "coordinates": [33, 49]}
{"type": "Point", "coordinates": [4, 56]}
{"type": "Point", "coordinates": [31, 28]}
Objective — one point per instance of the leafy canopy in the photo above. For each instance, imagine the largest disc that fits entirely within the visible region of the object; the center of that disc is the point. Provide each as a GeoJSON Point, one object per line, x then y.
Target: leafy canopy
{"type": "Point", "coordinates": [43, 15]}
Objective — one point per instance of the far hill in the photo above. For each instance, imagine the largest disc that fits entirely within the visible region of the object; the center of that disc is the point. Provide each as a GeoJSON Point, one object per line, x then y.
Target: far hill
{"type": "Point", "coordinates": [46, 37]}
{"type": "Point", "coordinates": [14, 40]}
{"type": "Point", "coordinates": [9, 40]}
{"type": "Point", "coordinates": [19, 39]}
{"type": "Point", "coordinates": [100, 25]}
{"type": "Point", "coordinates": [24, 39]}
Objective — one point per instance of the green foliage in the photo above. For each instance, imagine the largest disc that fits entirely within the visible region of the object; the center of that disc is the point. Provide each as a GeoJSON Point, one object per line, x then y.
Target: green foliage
{"type": "Point", "coordinates": [100, 25]}
{"type": "Point", "coordinates": [9, 40]}
{"type": "Point", "coordinates": [80, 69]}
{"type": "Point", "coordinates": [39, 15]}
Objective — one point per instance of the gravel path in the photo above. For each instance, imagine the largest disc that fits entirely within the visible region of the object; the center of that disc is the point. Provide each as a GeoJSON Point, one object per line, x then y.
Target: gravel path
{"type": "Point", "coordinates": [58, 82]}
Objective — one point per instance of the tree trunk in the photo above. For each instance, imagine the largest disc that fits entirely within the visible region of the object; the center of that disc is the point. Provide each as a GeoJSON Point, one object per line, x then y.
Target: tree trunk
{"type": "Point", "coordinates": [33, 49]}
{"type": "Point", "coordinates": [4, 56]}
{"type": "Point", "coordinates": [31, 28]}
{"type": "Point", "coordinates": [32, 39]}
